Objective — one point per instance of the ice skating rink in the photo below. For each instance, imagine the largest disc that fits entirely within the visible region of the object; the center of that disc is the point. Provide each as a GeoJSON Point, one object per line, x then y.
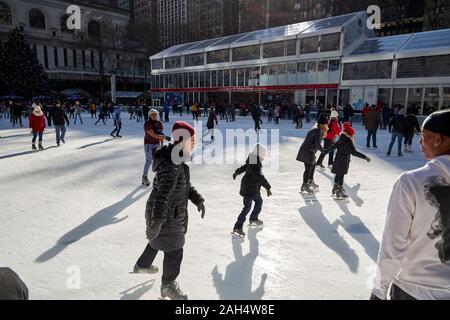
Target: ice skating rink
{"type": "Point", "coordinates": [72, 219]}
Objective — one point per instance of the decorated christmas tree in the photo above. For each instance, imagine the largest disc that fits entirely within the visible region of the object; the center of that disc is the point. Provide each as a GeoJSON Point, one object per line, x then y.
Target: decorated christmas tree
{"type": "Point", "coordinates": [20, 70]}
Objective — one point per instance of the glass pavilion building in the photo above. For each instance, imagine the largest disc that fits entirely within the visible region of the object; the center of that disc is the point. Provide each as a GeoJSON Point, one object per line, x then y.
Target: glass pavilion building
{"type": "Point", "coordinates": [337, 60]}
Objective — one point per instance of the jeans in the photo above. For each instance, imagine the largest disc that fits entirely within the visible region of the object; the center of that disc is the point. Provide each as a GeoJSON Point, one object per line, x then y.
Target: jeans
{"type": "Point", "coordinates": [309, 172]}
{"type": "Point", "coordinates": [118, 127]}
{"type": "Point", "coordinates": [408, 139]}
{"type": "Point", "coordinates": [399, 294]}
{"type": "Point", "coordinates": [372, 134]}
{"type": "Point", "coordinates": [327, 143]}
{"type": "Point", "coordinates": [171, 264]}
{"type": "Point", "coordinates": [148, 149]}
{"type": "Point", "coordinates": [78, 115]}
{"type": "Point", "coordinates": [60, 133]}
{"type": "Point", "coordinates": [247, 207]}
{"type": "Point", "coordinates": [399, 137]}
{"type": "Point", "coordinates": [35, 135]}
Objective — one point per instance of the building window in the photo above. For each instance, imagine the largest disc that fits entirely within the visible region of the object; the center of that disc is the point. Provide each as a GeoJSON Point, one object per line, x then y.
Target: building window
{"type": "Point", "coordinates": [264, 79]}
{"type": "Point", "coordinates": [446, 104]}
{"type": "Point", "coordinates": [193, 60]}
{"type": "Point", "coordinates": [368, 70]}
{"type": "Point", "coordinates": [330, 42]}
{"type": "Point", "coordinates": [66, 62]}
{"type": "Point", "coordinates": [173, 62]}
{"type": "Point", "coordinates": [55, 56]}
{"type": "Point", "coordinates": [312, 72]}
{"type": "Point", "coordinates": [36, 19]}
{"type": "Point", "coordinates": [309, 45]}
{"type": "Point", "coordinates": [157, 64]}
{"type": "Point", "coordinates": [74, 57]}
{"type": "Point", "coordinates": [226, 78]}
{"type": "Point", "coordinates": [431, 101]}
{"type": "Point", "coordinates": [83, 58]}
{"type": "Point", "coordinates": [291, 48]}
{"type": "Point", "coordinates": [94, 29]}
{"type": "Point", "coordinates": [301, 73]}
{"type": "Point", "coordinates": [333, 72]}
{"type": "Point", "coordinates": [219, 56]}
{"type": "Point", "coordinates": [5, 14]}
{"type": "Point", "coordinates": [246, 53]}
{"type": "Point", "coordinates": [323, 71]}
{"type": "Point", "coordinates": [45, 57]}
{"type": "Point", "coordinates": [435, 66]}
{"type": "Point", "coordinates": [93, 61]}
{"type": "Point", "coordinates": [63, 24]}
{"type": "Point", "coordinates": [274, 49]}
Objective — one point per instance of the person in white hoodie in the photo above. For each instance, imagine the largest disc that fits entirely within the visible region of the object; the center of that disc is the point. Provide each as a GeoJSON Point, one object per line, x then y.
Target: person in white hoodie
{"type": "Point", "coordinates": [414, 257]}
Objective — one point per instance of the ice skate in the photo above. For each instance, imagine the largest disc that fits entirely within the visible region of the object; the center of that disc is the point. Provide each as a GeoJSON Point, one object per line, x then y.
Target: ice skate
{"type": "Point", "coordinates": [172, 291]}
{"type": "Point", "coordinates": [256, 224]}
{"type": "Point", "coordinates": [63, 141]}
{"type": "Point", "coordinates": [41, 148]}
{"type": "Point", "coordinates": [335, 189]}
{"type": "Point", "coordinates": [118, 137]}
{"type": "Point", "coordinates": [145, 181]}
{"type": "Point", "coordinates": [151, 270]}
{"type": "Point", "coordinates": [320, 166]}
{"type": "Point", "coordinates": [306, 190]}
{"type": "Point", "coordinates": [238, 233]}
{"type": "Point", "coordinates": [313, 185]}
{"type": "Point", "coordinates": [33, 147]}
{"type": "Point", "coordinates": [340, 194]}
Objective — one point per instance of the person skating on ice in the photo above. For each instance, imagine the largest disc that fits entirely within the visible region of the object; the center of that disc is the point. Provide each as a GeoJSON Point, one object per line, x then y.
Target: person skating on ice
{"type": "Point", "coordinates": [212, 119]}
{"type": "Point", "coordinates": [153, 139]}
{"type": "Point", "coordinates": [78, 110]}
{"type": "Point", "coordinates": [412, 127]}
{"type": "Point", "coordinates": [334, 130]}
{"type": "Point", "coordinates": [250, 190]}
{"type": "Point", "coordinates": [167, 209]}
{"type": "Point", "coordinates": [117, 122]}
{"type": "Point", "coordinates": [397, 129]}
{"type": "Point", "coordinates": [307, 153]}
{"type": "Point", "coordinates": [59, 118]}
{"type": "Point", "coordinates": [37, 126]}
{"type": "Point", "coordinates": [345, 149]}
{"type": "Point", "coordinates": [414, 257]}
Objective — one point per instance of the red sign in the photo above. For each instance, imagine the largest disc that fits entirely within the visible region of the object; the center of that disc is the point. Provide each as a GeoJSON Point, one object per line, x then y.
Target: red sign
{"type": "Point", "coordinates": [252, 88]}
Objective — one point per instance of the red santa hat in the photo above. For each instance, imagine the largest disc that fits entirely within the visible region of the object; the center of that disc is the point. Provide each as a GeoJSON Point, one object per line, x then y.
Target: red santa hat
{"type": "Point", "coordinates": [348, 129]}
{"type": "Point", "coordinates": [180, 128]}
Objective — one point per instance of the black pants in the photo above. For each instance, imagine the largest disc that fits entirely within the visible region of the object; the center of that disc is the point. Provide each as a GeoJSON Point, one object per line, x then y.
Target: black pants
{"type": "Point", "coordinates": [257, 127]}
{"type": "Point", "coordinates": [118, 126]}
{"type": "Point", "coordinates": [409, 139]}
{"type": "Point", "coordinates": [101, 117]}
{"type": "Point", "coordinates": [327, 143]}
{"type": "Point", "coordinates": [309, 172]}
{"type": "Point", "coordinates": [339, 179]}
{"type": "Point", "coordinates": [399, 294]}
{"type": "Point", "coordinates": [171, 264]}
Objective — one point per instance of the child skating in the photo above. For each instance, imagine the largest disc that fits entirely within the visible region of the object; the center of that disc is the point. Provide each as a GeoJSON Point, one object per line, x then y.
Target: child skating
{"type": "Point", "coordinates": [345, 149]}
{"type": "Point", "coordinates": [251, 185]}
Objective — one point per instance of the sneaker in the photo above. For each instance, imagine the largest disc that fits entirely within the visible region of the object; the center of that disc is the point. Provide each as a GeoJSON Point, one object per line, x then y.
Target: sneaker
{"type": "Point", "coordinates": [238, 233]}
{"type": "Point", "coordinates": [151, 270]}
{"type": "Point", "coordinates": [172, 291]}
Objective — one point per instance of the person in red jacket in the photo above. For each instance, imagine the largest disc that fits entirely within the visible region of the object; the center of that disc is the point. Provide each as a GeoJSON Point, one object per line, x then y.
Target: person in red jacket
{"type": "Point", "coordinates": [334, 130]}
{"type": "Point", "coordinates": [37, 125]}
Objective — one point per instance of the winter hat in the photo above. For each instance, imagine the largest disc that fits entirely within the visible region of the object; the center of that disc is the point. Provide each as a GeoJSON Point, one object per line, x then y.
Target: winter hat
{"type": "Point", "coordinates": [323, 119]}
{"type": "Point", "coordinates": [438, 122]}
{"type": "Point", "coordinates": [38, 112]}
{"type": "Point", "coordinates": [334, 114]}
{"type": "Point", "coordinates": [152, 111]}
{"type": "Point", "coordinates": [181, 127]}
{"type": "Point", "coordinates": [348, 129]}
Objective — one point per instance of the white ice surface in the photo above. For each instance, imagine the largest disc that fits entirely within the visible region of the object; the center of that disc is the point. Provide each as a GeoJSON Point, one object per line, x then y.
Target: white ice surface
{"type": "Point", "coordinates": [82, 205]}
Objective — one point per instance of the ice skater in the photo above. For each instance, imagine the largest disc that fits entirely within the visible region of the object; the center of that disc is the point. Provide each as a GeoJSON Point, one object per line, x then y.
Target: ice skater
{"type": "Point", "coordinates": [334, 130]}
{"type": "Point", "coordinates": [212, 119]}
{"type": "Point", "coordinates": [345, 149]}
{"type": "Point", "coordinates": [59, 119]}
{"type": "Point", "coordinates": [250, 190]}
{"type": "Point", "coordinates": [78, 110]}
{"type": "Point", "coordinates": [37, 126]}
{"type": "Point", "coordinates": [307, 154]}
{"type": "Point", "coordinates": [117, 122]}
{"type": "Point", "coordinates": [412, 127]}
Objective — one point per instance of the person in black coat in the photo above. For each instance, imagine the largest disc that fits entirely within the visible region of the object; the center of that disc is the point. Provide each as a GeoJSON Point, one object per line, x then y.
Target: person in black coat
{"type": "Point", "coordinates": [11, 286]}
{"type": "Point", "coordinates": [59, 118]}
{"type": "Point", "coordinates": [250, 190]}
{"type": "Point", "coordinates": [256, 115]}
{"type": "Point", "coordinates": [412, 126]}
{"type": "Point", "coordinates": [166, 212]}
{"type": "Point", "coordinates": [307, 153]}
{"type": "Point", "coordinates": [345, 149]}
{"type": "Point", "coordinates": [397, 128]}
{"type": "Point", "coordinates": [212, 118]}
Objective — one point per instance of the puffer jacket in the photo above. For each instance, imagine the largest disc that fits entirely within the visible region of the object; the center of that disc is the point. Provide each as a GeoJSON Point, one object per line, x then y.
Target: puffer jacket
{"type": "Point", "coordinates": [253, 179]}
{"type": "Point", "coordinates": [309, 148]}
{"type": "Point", "coordinates": [166, 212]}
{"type": "Point", "coordinates": [345, 149]}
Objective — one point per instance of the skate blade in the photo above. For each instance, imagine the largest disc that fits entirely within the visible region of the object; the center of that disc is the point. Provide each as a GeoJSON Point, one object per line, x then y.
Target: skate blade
{"type": "Point", "coordinates": [255, 226]}
{"type": "Point", "coordinates": [340, 199]}
{"type": "Point", "coordinates": [237, 235]}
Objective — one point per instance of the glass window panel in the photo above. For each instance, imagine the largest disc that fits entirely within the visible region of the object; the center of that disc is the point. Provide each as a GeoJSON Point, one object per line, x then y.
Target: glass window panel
{"type": "Point", "coordinates": [301, 73]}
{"type": "Point", "coordinates": [193, 60]}
{"type": "Point", "coordinates": [191, 79]}
{"type": "Point", "coordinates": [173, 62]}
{"type": "Point", "coordinates": [310, 98]}
{"type": "Point", "coordinates": [241, 77]}
{"type": "Point", "coordinates": [264, 79]}
{"type": "Point", "coordinates": [246, 53]}
{"type": "Point", "coordinates": [248, 79]}
{"type": "Point", "coordinates": [208, 79]}
{"type": "Point", "coordinates": [226, 78]}
{"type": "Point", "coordinates": [220, 78]}
{"type": "Point", "coordinates": [214, 78]}
{"type": "Point", "coordinates": [330, 42]}
{"type": "Point", "coordinates": [219, 56]}
{"type": "Point", "coordinates": [334, 71]}
{"type": "Point", "coordinates": [272, 50]}
{"type": "Point", "coordinates": [202, 79]}
{"type": "Point", "coordinates": [446, 104]}
{"type": "Point", "coordinates": [291, 47]}
{"type": "Point", "coordinates": [170, 81]}
{"type": "Point", "coordinates": [431, 101]}
{"type": "Point", "coordinates": [323, 71]}
{"type": "Point", "coordinates": [368, 70]}
{"type": "Point", "coordinates": [415, 96]}
{"type": "Point", "coordinates": [429, 40]}
{"type": "Point", "coordinates": [157, 64]}
{"type": "Point", "coordinates": [255, 76]}
{"type": "Point", "coordinates": [435, 66]}
{"type": "Point", "coordinates": [282, 75]}
{"type": "Point", "coordinates": [381, 45]}
{"type": "Point", "coordinates": [233, 80]}
{"type": "Point", "coordinates": [312, 72]}
{"type": "Point", "coordinates": [273, 75]}
{"type": "Point", "coordinates": [344, 97]}
{"type": "Point", "coordinates": [196, 80]}
{"type": "Point", "coordinates": [384, 96]}
{"type": "Point", "coordinates": [399, 98]}
{"type": "Point", "coordinates": [309, 45]}
{"type": "Point", "coordinates": [292, 73]}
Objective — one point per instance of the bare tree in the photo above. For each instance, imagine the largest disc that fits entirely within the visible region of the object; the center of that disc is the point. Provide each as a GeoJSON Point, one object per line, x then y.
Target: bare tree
{"type": "Point", "coordinates": [437, 14]}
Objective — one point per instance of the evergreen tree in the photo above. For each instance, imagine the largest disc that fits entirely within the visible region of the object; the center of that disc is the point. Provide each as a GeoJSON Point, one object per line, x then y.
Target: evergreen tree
{"type": "Point", "coordinates": [21, 72]}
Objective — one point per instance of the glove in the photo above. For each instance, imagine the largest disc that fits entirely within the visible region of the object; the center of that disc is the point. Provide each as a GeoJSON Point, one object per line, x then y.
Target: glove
{"type": "Point", "coordinates": [269, 193]}
{"type": "Point", "coordinates": [368, 159]}
{"type": "Point", "coordinates": [234, 176]}
{"type": "Point", "coordinates": [201, 208]}
{"type": "Point", "coordinates": [168, 139]}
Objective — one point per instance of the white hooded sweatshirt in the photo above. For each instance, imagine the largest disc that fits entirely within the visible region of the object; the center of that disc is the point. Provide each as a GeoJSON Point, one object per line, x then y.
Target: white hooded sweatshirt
{"type": "Point", "coordinates": [415, 249]}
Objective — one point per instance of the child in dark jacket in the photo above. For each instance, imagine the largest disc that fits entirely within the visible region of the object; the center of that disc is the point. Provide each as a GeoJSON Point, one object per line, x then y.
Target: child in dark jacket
{"type": "Point", "coordinates": [345, 149]}
{"type": "Point", "coordinates": [251, 189]}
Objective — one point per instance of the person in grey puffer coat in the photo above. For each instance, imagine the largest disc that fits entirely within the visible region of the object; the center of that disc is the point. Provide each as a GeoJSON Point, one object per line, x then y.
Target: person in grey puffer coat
{"type": "Point", "coordinates": [167, 214]}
